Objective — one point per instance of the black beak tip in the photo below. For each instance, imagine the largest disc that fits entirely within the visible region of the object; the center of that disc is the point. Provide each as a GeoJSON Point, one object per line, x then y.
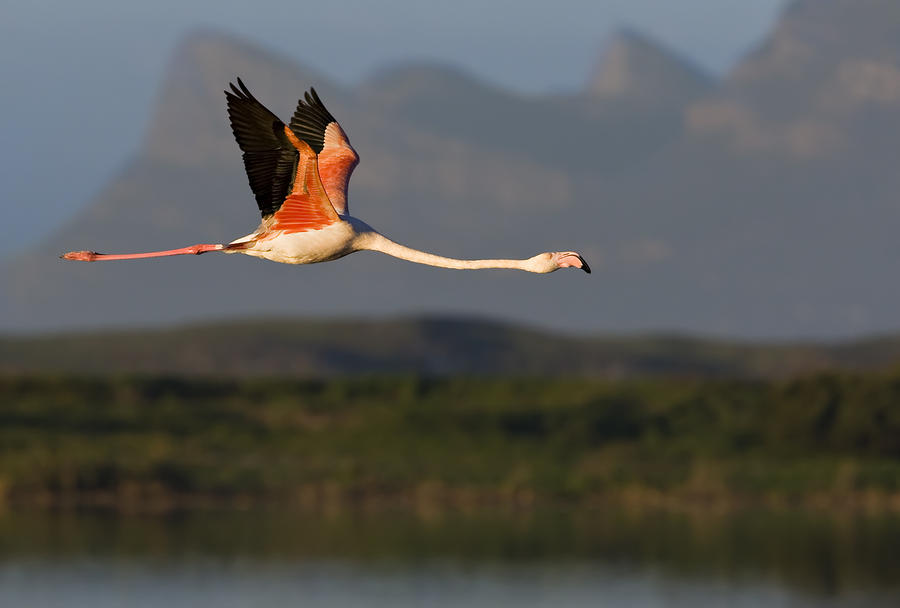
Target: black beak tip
{"type": "Point", "coordinates": [584, 265]}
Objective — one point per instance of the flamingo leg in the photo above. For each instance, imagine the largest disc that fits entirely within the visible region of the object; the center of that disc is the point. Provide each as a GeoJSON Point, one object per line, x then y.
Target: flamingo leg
{"type": "Point", "coordinates": [93, 256]}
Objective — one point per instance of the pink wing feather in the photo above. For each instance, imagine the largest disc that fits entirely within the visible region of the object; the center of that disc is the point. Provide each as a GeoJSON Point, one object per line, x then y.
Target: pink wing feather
{"type": "Point", "coordinates": [336, 157]}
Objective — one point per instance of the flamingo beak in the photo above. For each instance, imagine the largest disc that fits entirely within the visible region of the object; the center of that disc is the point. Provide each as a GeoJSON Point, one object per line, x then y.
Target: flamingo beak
{"type": "Point", "coordinates": [573, 260]}
{"type": "Point", "coordinates": [584, 265]}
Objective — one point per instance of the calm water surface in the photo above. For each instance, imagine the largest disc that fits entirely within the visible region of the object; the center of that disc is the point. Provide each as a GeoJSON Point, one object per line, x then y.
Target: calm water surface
{"type": "Point", "coordinates": [588, 558]}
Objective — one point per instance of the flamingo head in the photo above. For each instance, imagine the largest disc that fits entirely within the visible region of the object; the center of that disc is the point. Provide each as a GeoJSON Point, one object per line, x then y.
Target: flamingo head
{"type": "Point", "coordinates": [554, 260]}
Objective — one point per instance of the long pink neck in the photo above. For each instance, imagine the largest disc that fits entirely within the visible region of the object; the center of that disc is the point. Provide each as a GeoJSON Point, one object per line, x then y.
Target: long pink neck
{"type": "Point", "coordinates": [383, 244]}
{"type": "Point", "coordinates": [93, 256]}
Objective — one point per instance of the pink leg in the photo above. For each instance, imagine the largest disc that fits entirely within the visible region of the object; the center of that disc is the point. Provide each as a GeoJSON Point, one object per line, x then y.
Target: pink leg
{"type": "Point", "coordinates": [92, 256]}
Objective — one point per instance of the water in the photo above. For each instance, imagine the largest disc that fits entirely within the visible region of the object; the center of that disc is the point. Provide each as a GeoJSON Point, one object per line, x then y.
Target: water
{"type": "Point", "coordinates": [399, 559]}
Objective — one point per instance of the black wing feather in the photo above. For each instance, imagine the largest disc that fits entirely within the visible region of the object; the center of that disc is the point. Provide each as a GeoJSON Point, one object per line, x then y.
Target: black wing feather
{"type": "Point", "coordinates": [310, 120]}
{"type": "Point", "coordinates": [269, 157]}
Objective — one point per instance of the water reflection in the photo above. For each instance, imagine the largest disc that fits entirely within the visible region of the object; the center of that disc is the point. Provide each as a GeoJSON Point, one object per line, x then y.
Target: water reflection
{"type": "Point", "coordinates": [199, 585]}
{"type": "Point", "coordinates": [389, 557]}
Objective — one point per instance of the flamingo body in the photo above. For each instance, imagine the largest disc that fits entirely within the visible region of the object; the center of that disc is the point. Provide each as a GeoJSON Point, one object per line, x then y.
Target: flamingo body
{"type": "Point", "coordinates": [302, 247]}
{"type": "Point", "coordinates": [299, 174]}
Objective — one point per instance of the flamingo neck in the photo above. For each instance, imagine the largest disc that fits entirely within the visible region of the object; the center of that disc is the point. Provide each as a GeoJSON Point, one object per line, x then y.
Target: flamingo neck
{"type": "Point", "coordinates": [379, 242]}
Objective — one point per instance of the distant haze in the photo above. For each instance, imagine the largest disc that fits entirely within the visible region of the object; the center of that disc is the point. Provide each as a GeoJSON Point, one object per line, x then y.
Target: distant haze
{"type": "Point", "coordinates": [85, 75]}
{"type": "Point", "coordinates": [760, 203]}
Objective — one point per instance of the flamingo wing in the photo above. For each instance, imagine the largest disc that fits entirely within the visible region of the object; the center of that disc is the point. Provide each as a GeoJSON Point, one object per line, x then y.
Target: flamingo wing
{"type": "Point", "coordinates": [281, 168]}
{"type": "Point", "coordinates": [269, 158]}
{"type": "Point", "coordinates": [307, 206]}
{"type": "Point", "coordinates": [337, 159]}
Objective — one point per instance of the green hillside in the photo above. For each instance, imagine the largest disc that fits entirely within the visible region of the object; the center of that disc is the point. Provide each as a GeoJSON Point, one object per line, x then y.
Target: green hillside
{"type": "Point", "coordinates": [160, 442]}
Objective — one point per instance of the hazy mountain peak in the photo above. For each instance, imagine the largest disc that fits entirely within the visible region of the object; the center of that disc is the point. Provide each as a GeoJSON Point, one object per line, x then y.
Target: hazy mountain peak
{"type": "Point", "coordinates": [635, 67]}
{"type": "Point", "coordinates": [811, 42]}
{"type": "Point", "coordinates": [189, 125]}
{"type": "Point", "coordinates": [404, 87]}
{"type": "Point", "coordinates": [416, 72]}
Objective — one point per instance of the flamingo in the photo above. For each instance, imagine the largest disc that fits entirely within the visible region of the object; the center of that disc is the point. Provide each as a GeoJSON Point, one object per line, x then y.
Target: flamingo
{"type": "Point", "coordinates": [299, 175]}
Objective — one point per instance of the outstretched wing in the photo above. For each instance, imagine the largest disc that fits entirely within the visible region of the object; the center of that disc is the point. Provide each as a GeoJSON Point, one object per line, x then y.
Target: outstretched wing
{"type": "Point", "coordinates": [269, 157]}
{"type": "Point", "coordinates": [307, 206]}
{"type": "Point", "coordinates": [314, 125]}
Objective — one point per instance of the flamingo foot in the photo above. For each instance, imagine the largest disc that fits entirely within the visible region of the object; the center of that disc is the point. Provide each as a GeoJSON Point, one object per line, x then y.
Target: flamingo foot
{"type": "Point", "coordinates": [80, 256]}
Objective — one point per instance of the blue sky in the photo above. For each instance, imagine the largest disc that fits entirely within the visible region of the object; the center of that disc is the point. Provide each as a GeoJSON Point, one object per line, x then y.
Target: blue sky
{"type": "Point", "coordinates": [79, 78]}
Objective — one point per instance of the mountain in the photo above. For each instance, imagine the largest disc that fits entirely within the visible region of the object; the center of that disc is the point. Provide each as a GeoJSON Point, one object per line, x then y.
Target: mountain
{"type": "Point", "coordinates": [826, 83]}
{"type": "Point", "coordinates": [558, 131]}
{"type": "Point", "coordinates": [795, 153]}
{"type": "Point", "coordinates": [635, 70]}
{"type": "Point", "coordinates": [760, 205]}
{"type": "Point", "coordinates": [431, 346]}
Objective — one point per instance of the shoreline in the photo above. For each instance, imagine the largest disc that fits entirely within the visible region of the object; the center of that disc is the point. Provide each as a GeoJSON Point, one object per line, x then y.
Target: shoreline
{"type": "Point", "coordinates": [435, 498]}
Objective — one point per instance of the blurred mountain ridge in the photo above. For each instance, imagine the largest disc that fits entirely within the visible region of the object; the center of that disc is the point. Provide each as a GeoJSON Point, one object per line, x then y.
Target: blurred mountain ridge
{"type": "Point", "coordinates": [424, 346]}
{"type": "Point", "coordinates": [634, 67]}
{"type": "Point", "coordinates": [761, 205]}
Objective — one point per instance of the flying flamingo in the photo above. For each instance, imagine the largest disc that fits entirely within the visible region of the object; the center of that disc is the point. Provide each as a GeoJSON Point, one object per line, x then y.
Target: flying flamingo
{"type": "Point", "coordinates": [299, 176]}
